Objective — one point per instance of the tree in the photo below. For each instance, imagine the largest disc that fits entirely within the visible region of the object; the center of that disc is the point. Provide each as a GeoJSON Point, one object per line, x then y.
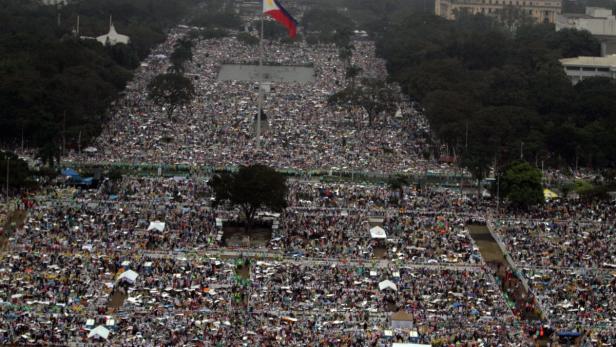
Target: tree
{"type": "Point", "coordinates": [326, 21]}
{"type": "Point", "coordinates": [181, 54]}
{"type": "Point", "coordinates": [49, 154]}
{"type": "Point", "coordinates": [345, 54]}
{"type": "Point", "coordinates": [247, 39]}
{"type": "Point", "coordinates": [352, 72]}
{"type": "Point", "coordinates": [251, 188]}
{"type": "Point", "coordinates": [170, 90]}
{"type": "Point", "coordinates": [574, 43]}
{"type": "Point", "coordinates": [20, 175]}
{"type": "Point", "coordinates": [521, 185]}
{"type": "Point", "coordinates": [373, 95]}
{"type": "Point", "coordinates": [53, 83]}
{"type": "Point", "coordinates": [397, 183]}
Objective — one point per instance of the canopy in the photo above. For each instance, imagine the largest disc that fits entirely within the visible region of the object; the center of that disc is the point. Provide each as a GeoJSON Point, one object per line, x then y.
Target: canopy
{"type": "Point", "coordinates": [568, 334]}
{"type": "Point", "coordinates": [387, 284]}
{"type": "Point", "coordinates": [90, 150]}
{"type": "Point", "coordinates": [100, 331]}
{"type": "Point", "coordinates": [129, 276]}
{"type": "Point", "coordinates": [156, 225]}
{"type": "Point", "coordinates": [409, 345]}
{"type": "Point", "coordinates": [548, 194]}
{"type": "Point", "coordinates": [70, 173]}
{"type": "Point", "coordinates": [377, 233]}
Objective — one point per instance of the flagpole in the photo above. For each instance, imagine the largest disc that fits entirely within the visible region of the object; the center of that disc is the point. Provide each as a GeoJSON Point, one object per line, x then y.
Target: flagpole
{"type": "Point", "coordinates": [260, 102]}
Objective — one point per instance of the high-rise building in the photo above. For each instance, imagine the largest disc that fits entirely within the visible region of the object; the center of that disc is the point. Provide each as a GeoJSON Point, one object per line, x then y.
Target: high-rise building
{"type": "Point", "coordinates": [543, 11]}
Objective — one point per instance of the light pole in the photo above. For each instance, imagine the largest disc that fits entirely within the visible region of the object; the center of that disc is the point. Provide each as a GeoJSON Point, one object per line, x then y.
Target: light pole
{"type": "Point", "coordinates": [522, 150]}
{"type": "Point", "coordinates": [7, 179]}
{"type": "Point", "coordinates": [497, 194]}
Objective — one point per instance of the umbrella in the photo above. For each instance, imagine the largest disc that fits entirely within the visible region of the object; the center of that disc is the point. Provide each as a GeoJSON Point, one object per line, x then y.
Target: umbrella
{"type": "Point", "coordinates": [156, 225]}
{"type": "Point", "coordinates": [129, 276]}
{"type": "Point", "coordinates": [377, 233]}
{"type": "Point", "coordinates": [99, 331]}
{"type": "Point", "coordinates": [387, 284]}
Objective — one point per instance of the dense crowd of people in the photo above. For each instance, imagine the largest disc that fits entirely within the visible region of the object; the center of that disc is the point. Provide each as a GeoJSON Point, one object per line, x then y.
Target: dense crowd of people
{"type": "Point", "coordinates": [571, 243]}
{"type": "Point", "coordinates": [577, 299]}
{"type": "Point", "coordinates": [58, 298]}
{"type": "Point", "coordinates": [144, 259]}
{"type": "Point", "coordinates": [302, 130]}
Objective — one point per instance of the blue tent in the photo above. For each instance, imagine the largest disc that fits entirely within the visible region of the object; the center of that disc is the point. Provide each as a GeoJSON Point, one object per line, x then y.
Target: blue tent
{"type": "Point", "coordinates": [87, 181]}
{"type": "Point", "coordinates": [70, 172]}
{"type": "Point", "coordinates": [569, 334]}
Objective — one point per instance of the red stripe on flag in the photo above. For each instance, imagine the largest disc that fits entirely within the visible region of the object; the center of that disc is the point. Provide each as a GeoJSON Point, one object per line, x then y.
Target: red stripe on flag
{"type": "Point", "coordinates": [283, 19]}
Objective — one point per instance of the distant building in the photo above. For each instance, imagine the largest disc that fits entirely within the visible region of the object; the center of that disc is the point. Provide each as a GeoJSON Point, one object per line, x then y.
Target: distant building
{"type": "Point", "coordinates": [580, 68]}
{"type": "Point", "coordinates": [600, 22]}
{"type": "Point", "coordinates": [112, 38]}
{"type": "Point", "coordinates": [543, 11]}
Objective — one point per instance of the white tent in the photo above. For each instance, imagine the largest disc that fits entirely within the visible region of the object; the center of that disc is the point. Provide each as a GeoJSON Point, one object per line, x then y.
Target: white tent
{"type": "Point", "coordinates": [156, 225]}
{"type": "Point", "coordinates": [99, 331]}
{"type": "Point", "coordinates": [129, 276]}
{"type": "Point", "coordinates": [387, 284]}
{"type": "Point", "coordinates": [377, 233]}
{"type": "Point", "coordinates": [90, 150]}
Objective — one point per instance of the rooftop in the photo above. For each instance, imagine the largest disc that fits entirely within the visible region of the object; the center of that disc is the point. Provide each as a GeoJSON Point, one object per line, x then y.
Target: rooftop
{"type": "Point", "coordinates": [609, 60]}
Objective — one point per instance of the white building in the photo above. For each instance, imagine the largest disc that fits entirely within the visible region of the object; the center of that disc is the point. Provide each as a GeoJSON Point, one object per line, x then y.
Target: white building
{"type": "Point", "coordinates": [112, 38]}
{"type": "Point", "coordinates": [580, 68]}
{"type": "Point", "coordinates": [542, 11]}
{"type": "Point", "coordinates": [600, 22]}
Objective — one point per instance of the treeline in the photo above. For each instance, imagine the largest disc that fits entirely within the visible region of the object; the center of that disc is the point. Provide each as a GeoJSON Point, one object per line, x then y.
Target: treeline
{"type": "Point", "coordinates": [55, 88]}
{"type": "Point", "coordinates": [493, 96]}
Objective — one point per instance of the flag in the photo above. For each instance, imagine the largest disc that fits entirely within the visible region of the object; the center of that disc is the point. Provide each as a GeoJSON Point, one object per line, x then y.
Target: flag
{"type": "Point", "coordinates": [276, 11]}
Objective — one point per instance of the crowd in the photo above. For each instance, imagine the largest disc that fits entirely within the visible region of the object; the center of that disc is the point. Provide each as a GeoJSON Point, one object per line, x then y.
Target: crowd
{"type": "Point", "coordinates": [577, 299]}
{"type": "Point", "coordinates": [570, 243]}
{"type": "Point", "coordinates": [345, 264]}
{"type": "Point", "coordinates": [58, 298]}
{"type": "Point", "coordinates": [302, 130]}
{"type": "Point", "coordinates": [119, 218]}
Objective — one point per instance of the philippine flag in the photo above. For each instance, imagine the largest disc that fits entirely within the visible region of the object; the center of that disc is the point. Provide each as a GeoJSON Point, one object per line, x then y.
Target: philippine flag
{"type": "Point", "coordinates": [276, 11]}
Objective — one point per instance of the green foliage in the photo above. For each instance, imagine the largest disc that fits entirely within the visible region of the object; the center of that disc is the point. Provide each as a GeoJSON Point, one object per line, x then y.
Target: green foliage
{"type": "Point", "coordinates": [272, 30]}
{"type": "Point", "coordinates": [170, 90]}
{"type": "Point", "coordinates": [181, 54]}
{"type": "Point", "coordinates": [521, 185]}
{"type": "Point", "coordinates": [374, 96]}
{"type": "Point", "coordinates": [207, 33]}
{"type": "Point", "coordinates": [352, 72]}
{"type": "Point", "coordinates": [114, 174]}
{"type": "Point", "coordinates": [52, 82]}
{"type": "Point", "coordinates": [247, 39]}
{"type": "Point", "coordinates": [398, 182]}
{"type": "Point", "coordinates": [220, 18]}
{"type": "Point", "coordinates": [20, 175]}
{"type": "Point", "coordinates": [507, 86]}
{"type": "Point", "coordinates": [251, 188]}
{"type": "Point", "coordinates": [326, 21]}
